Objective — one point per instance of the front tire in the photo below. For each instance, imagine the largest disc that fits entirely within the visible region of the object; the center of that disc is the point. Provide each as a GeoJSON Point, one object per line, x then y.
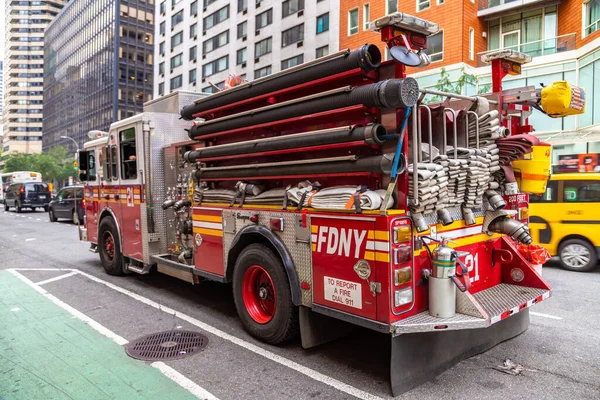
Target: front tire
{"type": "Point", "coordinates": [110, 247]}
{"type": "Point", "coordinates": [262, 295]}
{"type": "Point", "coordinates": [577, 255]}
{"type": "Point", "coordinates": [51, 215]}
{"type": "Point", "coordinates": [46, 208]}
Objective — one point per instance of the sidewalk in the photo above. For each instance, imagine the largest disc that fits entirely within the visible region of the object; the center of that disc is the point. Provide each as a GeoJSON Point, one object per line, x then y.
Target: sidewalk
{"type": "Point", "coordinates": [45, 353]}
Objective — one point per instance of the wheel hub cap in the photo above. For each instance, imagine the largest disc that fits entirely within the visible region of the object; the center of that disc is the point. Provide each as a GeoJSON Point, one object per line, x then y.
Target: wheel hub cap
{"type": "Point", "coordinates": [576, 255]}
{"type": "Point", "coordinates": [259, 294]}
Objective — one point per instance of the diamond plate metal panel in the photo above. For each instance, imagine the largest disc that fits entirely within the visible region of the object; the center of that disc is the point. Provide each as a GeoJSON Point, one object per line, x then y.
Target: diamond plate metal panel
{"type": "Point", "coordinates": [300, 251]}
{"type": "Point", "coordinates": [424, 322]}
{"type": "Point", "coordinates": [465, 304]}
{"type": "Point", "coordinates": [503, 297]}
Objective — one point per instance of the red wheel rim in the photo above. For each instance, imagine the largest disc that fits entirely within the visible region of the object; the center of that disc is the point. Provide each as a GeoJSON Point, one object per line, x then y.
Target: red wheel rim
{"type": "Point", "coordinates": [109, 245]}
{"type": "Point", "coordinates": [259, 294]}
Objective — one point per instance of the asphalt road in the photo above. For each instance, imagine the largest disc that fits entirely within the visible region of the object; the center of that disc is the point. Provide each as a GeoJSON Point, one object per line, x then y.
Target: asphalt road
{"type": "Point", "coordinates": [559, 352]}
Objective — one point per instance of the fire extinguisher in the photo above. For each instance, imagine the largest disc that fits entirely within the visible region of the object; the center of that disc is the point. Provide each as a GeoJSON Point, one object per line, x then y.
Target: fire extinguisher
{"type": "Point", "coordinates": [444, 280]}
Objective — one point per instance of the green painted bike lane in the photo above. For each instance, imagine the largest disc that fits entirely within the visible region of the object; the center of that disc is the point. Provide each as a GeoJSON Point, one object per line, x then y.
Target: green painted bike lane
{"type": "Point", "coordinates": [46, 353]}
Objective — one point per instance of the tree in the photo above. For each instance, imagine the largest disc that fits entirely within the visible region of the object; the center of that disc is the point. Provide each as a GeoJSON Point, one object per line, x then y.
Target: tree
{"type": "Point", "coordinates": [55, 166]}
{"type": "Point", "coordinates": [444, 84]}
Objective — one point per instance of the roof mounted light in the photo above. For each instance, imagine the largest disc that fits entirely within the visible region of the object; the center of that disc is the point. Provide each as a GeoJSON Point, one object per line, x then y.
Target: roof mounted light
{"type": "Point", "coordinates": [95, 134]}
{"type": "Point", "coordinates": [404, 21]}
{"type": "Point", "coordinates": [506, 54]}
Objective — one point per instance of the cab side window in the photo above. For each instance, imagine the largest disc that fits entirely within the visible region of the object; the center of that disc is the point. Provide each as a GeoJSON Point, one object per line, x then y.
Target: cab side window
{"type": "Point", "coordinates": [549, 196]}
{"type": "Point", "coordinates": [61, 194]}
{"type": "Point", "coordinates": [91, 172]}
{"type": "Point", "coordinates": [113, 162]}
{"type": "Point", "coordinates": [128, 155]}
{"type": "Point", "coordinates": [582, 191]}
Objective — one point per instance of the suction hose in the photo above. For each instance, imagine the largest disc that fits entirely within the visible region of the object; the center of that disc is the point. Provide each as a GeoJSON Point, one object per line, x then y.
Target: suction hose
{"type": "Point", "coordinates": [392, 93]}
{"type": "Point", "coordinates": [371, 134]}
{"type": "Point", "coordinates": [368, 58]}
{"type": "Point", "coordinates": [376, 164]}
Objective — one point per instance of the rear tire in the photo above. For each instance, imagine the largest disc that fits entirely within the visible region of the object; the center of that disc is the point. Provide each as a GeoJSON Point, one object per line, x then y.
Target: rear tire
{"type": "Point", "coordinates": [577, 255]}
{"type": "Point", "coordinates": [110, 247]}
{"type": "Point", "coordinates": [46, 208]}
{"type": "Point", "coordinates": [262, 295]}
{"type": "Point", "coordinates": [51, 215]}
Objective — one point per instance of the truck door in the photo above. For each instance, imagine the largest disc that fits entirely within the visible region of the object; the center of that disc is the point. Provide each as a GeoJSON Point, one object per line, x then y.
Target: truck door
{"type": "Point", "coordinates": [130, 189]}
{"type": "Point", "coordinates": [341, 248]}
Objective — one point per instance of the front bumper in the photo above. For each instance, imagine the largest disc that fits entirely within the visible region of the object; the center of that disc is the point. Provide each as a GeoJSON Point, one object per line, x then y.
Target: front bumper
{"type": "Point", "coordinates": [479, 310]}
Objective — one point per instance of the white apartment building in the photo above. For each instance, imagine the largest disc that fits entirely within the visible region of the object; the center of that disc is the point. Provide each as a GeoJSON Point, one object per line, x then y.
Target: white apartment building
{"type": "Point", "coordinates": [201, 42]}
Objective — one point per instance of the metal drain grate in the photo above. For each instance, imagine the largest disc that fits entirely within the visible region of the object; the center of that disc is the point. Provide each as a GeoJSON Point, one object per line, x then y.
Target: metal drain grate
{"type": "Point", "coordinates": [167, 345]}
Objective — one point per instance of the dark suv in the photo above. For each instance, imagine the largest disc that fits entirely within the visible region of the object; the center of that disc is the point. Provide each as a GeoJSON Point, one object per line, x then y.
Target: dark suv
{"type": "Point", "coordinates": [63, 206]}
{"type": "Point", "coordinates": [27, 195]}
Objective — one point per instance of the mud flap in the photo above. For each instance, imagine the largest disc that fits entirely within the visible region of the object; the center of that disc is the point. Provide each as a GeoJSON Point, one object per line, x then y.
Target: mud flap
{"type": "Point", "coordinates": [419, 357]}
{"type": "Point", "coordinates": [317, 329]}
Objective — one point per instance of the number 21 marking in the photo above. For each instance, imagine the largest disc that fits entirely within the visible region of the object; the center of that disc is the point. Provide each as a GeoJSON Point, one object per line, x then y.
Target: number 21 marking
{"type": "Point", "coordinates": [473, 263]}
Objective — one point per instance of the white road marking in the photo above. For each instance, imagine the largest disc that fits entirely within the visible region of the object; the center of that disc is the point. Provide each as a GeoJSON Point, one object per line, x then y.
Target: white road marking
{"type": "Point", "coordinates": [182, 381]}
{"type": "Point", "coordinates": [57, 278]}
{"type": "Point", "coordinates": [15, 309]}
{"type": "Point", "coordinates": [169, 372]}
{"type": "Point", "coordinates": [37, 219]}
{"type": "Point", "coordinates": [30, 239]}
{"type": "Point", "coordinates": [77, 314]}
{"type": "Point", "coordinates": [317, 376]}
{"type": "Point", "coordinates": [537, 314]}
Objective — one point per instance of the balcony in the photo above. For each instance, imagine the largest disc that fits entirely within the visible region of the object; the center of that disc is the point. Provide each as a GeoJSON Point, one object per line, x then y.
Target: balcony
{"type": "Point", "coordinates": [496, 8]}
{"type": "Point", "coordinates": [544, 47]}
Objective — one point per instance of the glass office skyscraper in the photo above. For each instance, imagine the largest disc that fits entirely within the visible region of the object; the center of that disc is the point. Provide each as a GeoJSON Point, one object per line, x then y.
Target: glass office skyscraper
{"type": "Point", "coordinates": [98, 67]}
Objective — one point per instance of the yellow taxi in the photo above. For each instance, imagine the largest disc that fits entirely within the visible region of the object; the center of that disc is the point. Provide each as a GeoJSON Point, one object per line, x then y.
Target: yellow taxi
{"type": "Point", "coordinates": [566, 219]}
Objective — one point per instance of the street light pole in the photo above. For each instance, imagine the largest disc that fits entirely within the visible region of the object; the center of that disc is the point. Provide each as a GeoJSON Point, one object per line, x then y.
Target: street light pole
{"type": "Point", "coordinates": [75, 208]}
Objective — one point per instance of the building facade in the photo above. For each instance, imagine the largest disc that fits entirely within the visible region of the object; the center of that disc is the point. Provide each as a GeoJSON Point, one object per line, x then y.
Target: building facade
{"type": "Point", "coordinates": [98, 68]}
{"type": "Point", "coordinates": [23, 73]}
{"type": "Point", "coordinates": [200, 42]}
{"type": "Point", "coordinates": [562, 37]}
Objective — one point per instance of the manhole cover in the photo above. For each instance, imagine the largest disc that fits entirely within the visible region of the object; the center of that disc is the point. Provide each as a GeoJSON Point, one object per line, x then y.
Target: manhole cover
{"type": "Point", "coordinates": [166, 345]}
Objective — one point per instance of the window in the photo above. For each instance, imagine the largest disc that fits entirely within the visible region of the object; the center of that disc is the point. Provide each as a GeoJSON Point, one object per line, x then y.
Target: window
{"type": "Point", "coordinates": [423, 4]}
{"type": "Point", "coordinates": [592, 17]}
{"type": "Point", "coordinates": [193, 75]}
{"type": "Point", "coordinates": [216, 18]}
{"type": "Point", "coordinates": [581, 191]}
{"type": "Point", "coordinates": [163, 7]}
{"type": "Point", "coordinates": [114, 161]}
{"type": "Point", "coordinates": [194, 7]}
{"type": "Point", "coordinates": [242, 29]}
{"type": "Point", "coordinates": [163, 28]}
{"type": "Point", "coordinates": [176, 40]}
{"type": "Point", "coordinates": [391, 6]}
{"type": "Point", "coordinates": [242, 5]}
{"type": "Point", "coordinates": [322, 23]}
{"type": "Point", "coordinates": [161, 89]}
{"type": "Point", "coordinates": [241, 56]}
{"type": "Point", "coordinates": [366, 16]}
{"type": "Point", "coordinates": [471, 44]}
{"type": "Point", "coordinates": [193, 53]}
{"type": "Point", "coordinates": [215, 42]}
{"type": "Point", "coordinates": [292, 35]}
{"type": "Point", "coordinates": [259, 73]}
{"type": "Point", "coordinates": [550, 196]}
{"type": "Point", "coordinates": [435, 46]}
{"type": "Point", "coordinates": [176, 61]}
{"type": "Point", "coordinates": [193, 31]}
{"type": "Point", "coordinates": [292, 62]}
{"type": "Point", "coordinates": [218, 65]}
{"type": "Point", "coordinates": [322, 52]}
{"type": "Point", "coordinates": [290, 7]}
{"type": "Point", "coordinates": [263, 47]}
{"type": "Point", "coordinates": [161, 48]}
{"type": "Point", "coordinates": [207, 3]}
{"type": "Point", "coordinates": [91, 171]}
{"type": "Point", "coordinates": [353, 22]}
{"type": "Point", "coordinates": [128, 156]}
{"type": "Point", "coordinates": [440, 2]}
{"type": "Point", "coordinates": [176, 82]}
{"type": "Point", "coordinates": [161, 68]}
{"type": "Point", "coordinates": [263, 19]}
{"type": "Point", "coordinates": [176, 18]}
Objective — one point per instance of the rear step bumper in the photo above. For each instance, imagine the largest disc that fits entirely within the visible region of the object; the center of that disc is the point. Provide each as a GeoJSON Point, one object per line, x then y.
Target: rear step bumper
{"type": "Point", "coordinates": [475, 311]}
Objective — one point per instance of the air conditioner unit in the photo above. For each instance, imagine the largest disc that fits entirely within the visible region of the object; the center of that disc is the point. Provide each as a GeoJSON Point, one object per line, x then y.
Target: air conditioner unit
{"type": "Point", "coordinates": [195, 37]}
{"type": "Point", "coordinates": [203, 33]}
{"type": "Point", "coordinates": [244, 65]}
{"type": "Point", "coordinates": [256, 60]}
{"type": "Point", "coordinates": [257, 32]}
{"type": "Point", "coordinates": [244, 38]}
{"type": "Point", "coordinates": [245, 12]}
{"type": "Point", "coordinates": [203, 80]}
{"type": "Point", "coordinates": [204, 56]}
{"type": "Point", "coordinates": [300, 13]}
{"type": "Point", "coordinates": [193, 83]}
{"type": "Point", "coordinates": [300, 44]}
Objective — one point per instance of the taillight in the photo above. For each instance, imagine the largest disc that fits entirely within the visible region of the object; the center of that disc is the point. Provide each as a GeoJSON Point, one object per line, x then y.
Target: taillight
{"type": "Point", "coordinates": [83, 203]}
{"type": "Point", "coordinates": [402, 265]}
{"type": "Point", "coordinates": [22, 190]}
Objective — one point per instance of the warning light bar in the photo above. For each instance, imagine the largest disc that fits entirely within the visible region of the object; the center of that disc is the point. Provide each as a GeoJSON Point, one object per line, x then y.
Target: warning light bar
{"type": "Point", "coordinates": [97, 134]}
{"type": "Point", "coordinates": [404, 21]}
{"type": "Point", "coordinates": [506, 54]}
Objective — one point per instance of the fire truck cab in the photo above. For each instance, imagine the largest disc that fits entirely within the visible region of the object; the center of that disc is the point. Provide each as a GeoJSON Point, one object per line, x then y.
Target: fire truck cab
{"type": "Point", "coordinates": [331, 195]}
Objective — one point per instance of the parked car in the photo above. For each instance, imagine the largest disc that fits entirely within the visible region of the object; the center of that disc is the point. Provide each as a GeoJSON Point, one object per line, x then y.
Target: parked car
{"type": "Point", "coordinates": [30, 195]}
{"type": "Point", "coordinates": [66, 202]}
{"type": "Point", "coordinates": [566, 218]}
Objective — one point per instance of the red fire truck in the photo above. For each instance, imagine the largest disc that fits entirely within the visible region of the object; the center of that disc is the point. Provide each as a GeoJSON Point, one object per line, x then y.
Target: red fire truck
{"type": "Point", "coordinates": [310, 190]}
